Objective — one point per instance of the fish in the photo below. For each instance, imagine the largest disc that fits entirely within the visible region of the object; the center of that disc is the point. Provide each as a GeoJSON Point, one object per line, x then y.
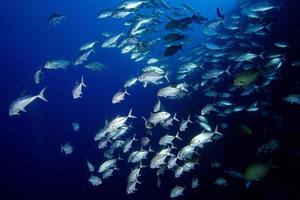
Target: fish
{"type": "Point", "coordinates": [87, 46]}
{"type": "Point", "coordinates": [184, 123]}
{"type": "Point", "coordinates": [128, 144]}
{"type": "Point", "coordinates": [90, 166]}
{"type": "Point", "coordinates": [95, 180]}
{"type": "Point", "coordinates": [104, 14]}
{"type": "Point", "coordinates": [131, 4]}
{"type": "Point", "coordinates": [119, 96]}
{"type": "Point", "coordinates": [21, 103]}
{"type": "Point", "coordinates": [145, 141]}
{"type": "Point", "coordinates": [221, 182]}
{"type": "Point", "coordinates": [152, 77]}
{"type": "Point", "coordinates": [203, 137]}
{"type": "Point", "coordinates": [176, 191]}
{"type": "Point", "coordinates": [55, 18]}
{"type": "Point", "coordinates": [111, 41]}
{"type": "Point", "coordinates": [108, 164]}
{"type": "Point", "coordinates": [66, 148]}
{"type": "Point", "coordinates": [215, 73]}
{"type": "Point", "coordinates": [171, 50]}
{"type": "Point", "coordinates": [257, 171]}
{"type": "Point", "coordinates": [195, 183]}
{"type": "Point", "coordinates": [158, 117]}
{"type": "Point", "coordinates": [157, 106]}
{"type": "Point", "coordinates": [77, 91]}
{"type": "Point", "coordinates": [38, 76]}
{"type": "Point", "coordinates": [118, 122]}
{"type": "Point", "coordinates": [76, 126]}
{"type": "Point", "coordinates": [108, 173]}
{"type": "Point", "coordinates": [95, 66]}
{"type": "Point", "coordinates": [84, 57]}
{"type": "Point", "coordinates": [168, 139]}
{"type": "Point", "coordinates": [130, 82]}
{"type": "Point", "coordinates": [292, 98]}
{"type": "Point", "coordinates": [246, 78]}
{"type": "Point", "coordinates": [57, 64]}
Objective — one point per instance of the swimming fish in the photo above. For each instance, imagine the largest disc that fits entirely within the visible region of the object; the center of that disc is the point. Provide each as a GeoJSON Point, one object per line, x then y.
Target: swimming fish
{"type": "Point", "coordinates": [21, 103]}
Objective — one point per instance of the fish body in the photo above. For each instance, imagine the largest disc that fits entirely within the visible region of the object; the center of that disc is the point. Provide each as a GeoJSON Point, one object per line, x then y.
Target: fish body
{"type": "Point", "coordinates": [66, 148]}
{"type": "Point", "coordinates": [176, 191]}
{"type": "Point", "coordinates": [95, 66]}
{"type": "Point", "coordinates": [119, 96]}
{"type": "Point", "coordinates": [57, 64]}
{"type": "Point", "coordinates": [158, 117]}
{"type": "Point", "coordinates": [55, 19]}
{"type": "Point", "coordinates": [152, 77]}
{"type": "Point", "coordinates": [88, 46]}
{"type": "Point", "coordinates": [95, 180]}
{"type": "Point", "coordinates": [171, 50]}
{"type": "Point", "coordinates": [246, 77]}
{"type": "Point", "coordinates": [77, 91]}
{"type": "Point", "coordinates": [257, 171]}
{"type": "Point", "coordinates": [38, 76]}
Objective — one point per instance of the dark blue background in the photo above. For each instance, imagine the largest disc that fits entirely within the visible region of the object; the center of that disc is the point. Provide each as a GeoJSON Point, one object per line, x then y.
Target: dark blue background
{"type": "Point", "coordinates": [32, 166]}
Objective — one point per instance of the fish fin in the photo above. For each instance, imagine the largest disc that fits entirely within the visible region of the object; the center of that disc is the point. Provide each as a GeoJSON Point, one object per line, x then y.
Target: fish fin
{"type": "Point", "coordinates": [134, 139]}
{"type": "Point", "coordinates": [145, 120]}
{"type": "Point", "coordinates": [150, 150]}
{"type": "Point", "coordinates": [261, 55]}
{"type": "Point", "coordinates": [130, 114]}
{"type": "Point", "coordinates": [174, 118]}
{"type": "Point", "coordinates": [188, 119]}
{"type": "Point", "coordinates": [145, 84]}
{"type": "Point", "coordinates": [166, 77]}
{"type": "Point", "coordinates": [177, 136]}
{"type": "Point", "coordinates": [141, 165]}
{"type": "Point", "coordinates": [41, 95]}
{"type": "Point", "coordinates": [216, 131]}
{"type": "Point", "coordinates": [227, 70]}
{"type": "Point", "coordinates": [126, 91]}
{"type": "Point", "coordinates": [83, 84]}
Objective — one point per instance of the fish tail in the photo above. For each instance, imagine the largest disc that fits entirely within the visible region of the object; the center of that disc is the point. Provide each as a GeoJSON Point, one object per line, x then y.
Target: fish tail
{"type": "Point", "coordinates": [141, 165]}
{"type": "Point", "coordinates": [150, 150]}
{"type": "Point", "coordinates": [261, 55]}
{"type": "Point", "coordinates": [177, 136]}
{"type": "Point", "coordinates": [174, 118]}
{"type": "Point", "coordinates": [83, 84]}
{"type": "Point", "coordinates": [216, 131]}
{"type": "Point", "coordinates": [126, 92]}
{"type": "Point", "coordinates": [227, 70]}
{"type": "Point", "coordinates": [166, 77]}
{"type": "Point", "coordinates": [41, 95]}
{"type": "Point", "coordinates": [134, 139]}
{"type": "Point", "coordinates": [144, 120]}
{"type": "Point", "coordinates": [189, 120]}
{"type": "Point", "coordinates": [130, 114]}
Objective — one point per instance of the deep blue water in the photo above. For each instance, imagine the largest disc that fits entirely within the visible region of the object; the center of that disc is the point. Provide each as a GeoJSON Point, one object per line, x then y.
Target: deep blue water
{"type": "Point", "coordinates": [32, 166]}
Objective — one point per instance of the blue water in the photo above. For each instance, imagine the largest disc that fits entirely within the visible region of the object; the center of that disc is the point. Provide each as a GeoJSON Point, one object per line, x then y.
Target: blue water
{"type": "Point", "coordinates": [32, 166]}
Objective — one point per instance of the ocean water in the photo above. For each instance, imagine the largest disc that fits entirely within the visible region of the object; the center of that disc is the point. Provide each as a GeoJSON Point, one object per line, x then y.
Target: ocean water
{"type": "Point", "coordinates": [32, 165]}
